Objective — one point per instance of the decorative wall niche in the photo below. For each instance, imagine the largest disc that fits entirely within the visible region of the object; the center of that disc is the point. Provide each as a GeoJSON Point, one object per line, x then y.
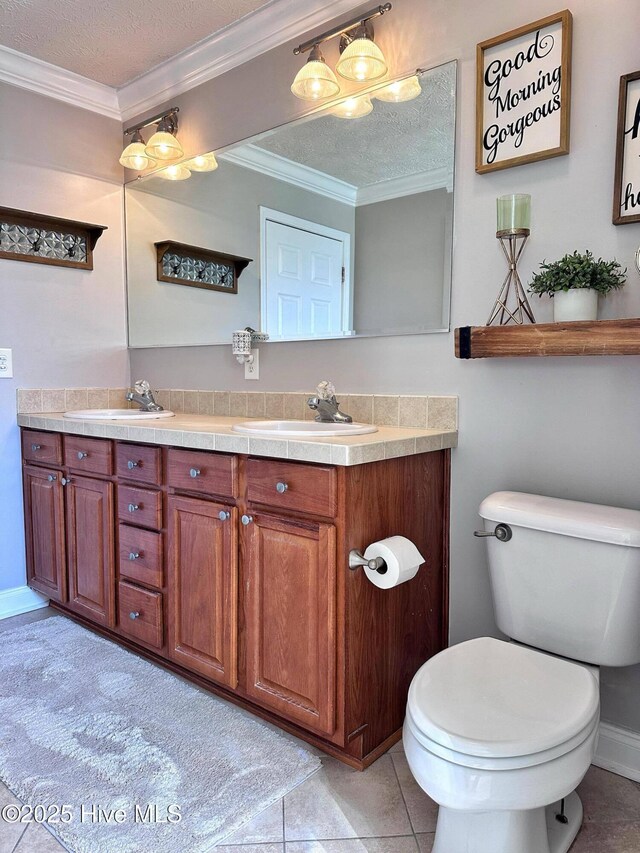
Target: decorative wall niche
{"type": "Point", "coordinates": [197, 267]}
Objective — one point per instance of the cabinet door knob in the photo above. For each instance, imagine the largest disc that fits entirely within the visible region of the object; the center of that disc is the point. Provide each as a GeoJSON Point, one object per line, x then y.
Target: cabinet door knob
{"type": "Point", "coordinates": [246, 519]}
{"type": "Point", "coordinates": [35, 447]}
{"type": "Point", "coordinates": [82, 454]}
{"type": "Point", "coordinates": [134, 614]}
{"type": "Point", "coordinates": [194, 472]}
{"type": "Point", "coordinates": [223, 515]}
{"type": "Point", "coordinates": [134, 555]}
{"type": "Point", "coordinates": [133, 507]}
{"type": "Point", "coordinates": [66, 481]}
{"type": "Point", "coordinates": [281, 488]}
{"type": "Point", "coordinates": [52, 478]}
{"type": "Point", "coordinates": [131, 464]}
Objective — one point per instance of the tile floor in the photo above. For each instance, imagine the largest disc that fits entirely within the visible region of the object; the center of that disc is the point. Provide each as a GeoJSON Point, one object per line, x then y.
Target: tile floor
{"type": "Point", "coordinates": [339, 810]}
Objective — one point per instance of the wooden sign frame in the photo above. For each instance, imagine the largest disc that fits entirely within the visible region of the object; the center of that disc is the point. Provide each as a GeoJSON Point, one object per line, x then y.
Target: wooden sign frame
{"type": "Point", "coordinates": [523, 90]}
{"type": "Point", "coordinates": [626, 190]}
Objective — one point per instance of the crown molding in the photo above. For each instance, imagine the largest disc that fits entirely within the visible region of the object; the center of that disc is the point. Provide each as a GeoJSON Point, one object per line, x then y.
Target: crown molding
{"type": "Point", "coordinates": [255, 158]}
{"type": "Point", "coordinates": [238, 43]}
{"type": "Point", "coordinates": [33, 74]}
{"type": "Point", "coordinates": [421, 182]}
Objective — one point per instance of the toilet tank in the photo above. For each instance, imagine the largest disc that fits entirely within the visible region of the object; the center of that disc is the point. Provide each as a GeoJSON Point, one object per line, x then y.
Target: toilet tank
{"type": "Point", "coordinates": [568, 580]}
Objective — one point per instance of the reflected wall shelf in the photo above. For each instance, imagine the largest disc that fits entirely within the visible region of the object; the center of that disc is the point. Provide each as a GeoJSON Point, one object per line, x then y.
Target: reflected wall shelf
{"type": "Point", "coordinates": [597, 337]}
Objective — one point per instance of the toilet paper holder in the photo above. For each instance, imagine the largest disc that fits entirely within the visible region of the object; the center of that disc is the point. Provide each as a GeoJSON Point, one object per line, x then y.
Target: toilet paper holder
{"type": "Point", "coordinates": [356, 559]}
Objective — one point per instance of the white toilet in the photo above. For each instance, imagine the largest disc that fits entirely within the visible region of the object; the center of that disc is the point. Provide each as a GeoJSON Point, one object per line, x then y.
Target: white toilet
{"type": "Point", "coordinates": [499, 734]}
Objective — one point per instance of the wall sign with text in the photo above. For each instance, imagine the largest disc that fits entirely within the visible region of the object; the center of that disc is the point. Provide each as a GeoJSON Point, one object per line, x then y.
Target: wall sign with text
{"type": "Point", "coordinates": [626, 193]}
{"type": "Point", "coordinates": [523, 94]}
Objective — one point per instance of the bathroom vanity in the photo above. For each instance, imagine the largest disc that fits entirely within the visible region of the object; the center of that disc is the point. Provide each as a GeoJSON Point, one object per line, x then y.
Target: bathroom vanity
{"type": "Point", "coordinates": [231, 569]}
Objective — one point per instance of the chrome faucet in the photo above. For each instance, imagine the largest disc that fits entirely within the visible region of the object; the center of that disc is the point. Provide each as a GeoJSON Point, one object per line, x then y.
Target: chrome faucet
{"type": "Point", "coordinates": [327, 406]}
{"type": "Point", "coordinates": [143, 396]}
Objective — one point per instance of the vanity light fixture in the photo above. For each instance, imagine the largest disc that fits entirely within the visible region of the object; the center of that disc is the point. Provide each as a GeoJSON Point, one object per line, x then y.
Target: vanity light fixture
{"type": "Point", "coordinates": [353, 107]}
{"type": "Point", "coordinates": [361, 59]}
{"type": "Point", "coordinates": [176, 172]}
{"type": "Point", "coordinates": [400, 90]}
{"type": "Point", "coordinates": [163, 145]}
{"type": "Point", "coordinates": [202, 163]}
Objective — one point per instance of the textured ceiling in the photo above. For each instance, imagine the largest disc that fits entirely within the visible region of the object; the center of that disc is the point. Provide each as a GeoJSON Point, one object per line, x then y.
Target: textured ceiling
{"type": "Point", "coordinates": [393, 141]}
{"type": "Point", "coordinates": [113, 41]}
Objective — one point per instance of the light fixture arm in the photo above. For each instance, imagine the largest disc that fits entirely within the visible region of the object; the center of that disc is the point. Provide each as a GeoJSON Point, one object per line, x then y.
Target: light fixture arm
{"type": "Point", "coordinates": [170, 117]}
{"type": "Point", "coordinates": [342, 30]}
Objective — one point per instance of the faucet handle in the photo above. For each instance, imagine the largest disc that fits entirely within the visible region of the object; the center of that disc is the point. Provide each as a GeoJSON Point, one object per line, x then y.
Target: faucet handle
{"type": "Point", "coordinates": [326, 390]}
{"type": "Point", "coordinates": [141, 386]}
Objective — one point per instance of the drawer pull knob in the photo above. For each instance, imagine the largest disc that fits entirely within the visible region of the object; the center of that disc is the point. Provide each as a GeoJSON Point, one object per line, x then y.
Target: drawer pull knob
{"type": "Point", "coordinates": [52, 478]}
{"type": "Point", "coordinates": [66, 481]}
{"type": "Point", "coordinates": [131, 464]}
{"type": "Point", "coordinates": [134, 555]}
{"type": "Point", "coordinates": [82, 454]}
{"type": "Point", "coordinates": [246, 519]}
{"type": "Point", "coordinates": [133, 507]}
{"type": "Point", "coordinates": [194, 472]}
{"type": "Point", "coordinates": [134, 614]}
{"type": "Point", "coordinates": [281, 488]}
{"type": "Point", "coordinates": [36, 447]}
{"type": "Point", "coordinates": [223, 515]}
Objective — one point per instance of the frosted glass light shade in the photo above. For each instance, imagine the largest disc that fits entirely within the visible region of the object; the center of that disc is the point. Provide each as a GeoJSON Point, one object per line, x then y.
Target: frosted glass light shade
{"type": "Point", "coordinates": [164, 146]}
{"type": "Point", "coordinates": [401, 90]}
{"type": "Point", "coordinates": [362, 61]}
{"type": "Point", "coordinates": [135, 157]}
{"type": "Point", "coordinates": [179, 172]}
{"type": "Point", "coordinates": [202, 163]}
{"type": "Point", "coordinates": [315, 81]}
{"type": "Point", "coordinates": [354, 107]}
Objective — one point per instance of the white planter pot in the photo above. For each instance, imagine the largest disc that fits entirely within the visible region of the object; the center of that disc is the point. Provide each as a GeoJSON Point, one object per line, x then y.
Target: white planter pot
{"type": "Point", "coordinates": [570, 305]}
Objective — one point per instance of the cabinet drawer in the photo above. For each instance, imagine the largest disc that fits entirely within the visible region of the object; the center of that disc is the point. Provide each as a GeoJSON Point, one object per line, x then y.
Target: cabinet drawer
{"type": "Point", "coordinates": [140, 614]}
{"type": "Point", "coordinates": [194, 471]}
{"type": "Point", "coordinates": [140, 555]}
{"type": "Point", "coordinates": [93, 455]}
{"type": "Point", "coordinates": [290, 485]}
{"type": "Point", "coordinates": [138, 462]}
{"type": "Point", "coordinates": [140, 506]}
{"type": "Point", "coordinates": [42, 447]}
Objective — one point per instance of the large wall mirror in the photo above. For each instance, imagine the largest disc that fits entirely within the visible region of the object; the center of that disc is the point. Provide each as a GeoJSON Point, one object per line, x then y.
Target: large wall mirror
{"type": "Point", "coordinates": [347, 223]}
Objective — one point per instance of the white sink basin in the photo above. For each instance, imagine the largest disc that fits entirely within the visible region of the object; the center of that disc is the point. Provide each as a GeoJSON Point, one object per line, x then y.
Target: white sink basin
{"type": "Point", "coordinates": [116, 414]}
{"type": "Point", "coordinates": [303, 429]}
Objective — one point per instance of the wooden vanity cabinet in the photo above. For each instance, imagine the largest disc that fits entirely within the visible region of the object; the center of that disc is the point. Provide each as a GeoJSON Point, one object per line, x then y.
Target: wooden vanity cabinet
{"type": "Point", "coordinates": [233, 571]}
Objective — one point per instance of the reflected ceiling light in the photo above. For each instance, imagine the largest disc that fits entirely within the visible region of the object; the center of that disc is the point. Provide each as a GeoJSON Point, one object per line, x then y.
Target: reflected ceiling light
{"type": "Point", "coordinates": [202, 163]}
{"type": "Point", "coordinates": [315, 80]}
{"type": "Point", "coordinates": [177, 172]}
{"type": "Point", "coordinates": [134, 155]}
{"type": "Point", "coordinates": [362, 60]}
{"type": "Point", "coordinates": [353, 107]}
{"type": "Point", "coordinates": [401, 90]}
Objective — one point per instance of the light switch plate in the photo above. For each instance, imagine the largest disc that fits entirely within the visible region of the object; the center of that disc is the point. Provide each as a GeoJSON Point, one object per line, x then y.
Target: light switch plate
{"type": "Point", "coordinates": [6, 363]}
{"type": "Point", "coordinates": [252, 368]}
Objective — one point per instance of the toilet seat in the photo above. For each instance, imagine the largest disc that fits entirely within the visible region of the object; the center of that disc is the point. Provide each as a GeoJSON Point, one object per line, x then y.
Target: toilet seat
{"type": "Point", "coordinates": [490, 704]}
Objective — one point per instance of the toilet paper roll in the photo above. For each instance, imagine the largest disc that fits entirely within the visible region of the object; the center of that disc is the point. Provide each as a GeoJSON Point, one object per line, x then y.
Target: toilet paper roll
{"type": "Point", "coordinates": [402, 558]}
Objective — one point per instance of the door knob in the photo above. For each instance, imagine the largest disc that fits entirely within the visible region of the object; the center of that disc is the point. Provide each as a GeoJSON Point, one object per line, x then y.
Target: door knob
{"type": "Point", "coordinates": [133, 507]}
{"type": "Point", "coordinates": [194, 472]}
{"type": "Point", "coordinates": [134, 614]}
{"type": "Point", "coordinates": [502, 532]}
{"type": "Point", "coordinates": [131, 464]}
{"type": "Point", "coordinates": [82, 454]}
{"type": "Point", "coordinates": [281, 488]}
{"type": "Point", "coordinates": [134, 555]}
{"type": "Point", "coordinates": [66, 481]}
{"type": "Point", "coordinates": [246, 519]}
{"type": "Point", "coordinates": [223, 515]}
{"type": "Point", "coordinates": [52, 478]}
{"type": "Point", "coordinates": [35, 447]}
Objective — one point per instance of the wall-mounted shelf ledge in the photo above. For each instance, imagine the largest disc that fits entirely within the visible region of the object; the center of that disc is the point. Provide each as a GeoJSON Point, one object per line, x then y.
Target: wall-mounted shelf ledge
{"type": "Point", "coordinates": [598, 337]}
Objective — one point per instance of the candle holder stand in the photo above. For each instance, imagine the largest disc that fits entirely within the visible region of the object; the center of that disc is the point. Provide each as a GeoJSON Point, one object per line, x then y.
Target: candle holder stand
{"type": "Point", "coordinates": [513, 241]}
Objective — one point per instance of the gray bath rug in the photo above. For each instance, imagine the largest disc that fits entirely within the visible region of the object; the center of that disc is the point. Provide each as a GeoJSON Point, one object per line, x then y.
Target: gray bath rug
{"type": "Point", "coordinates": [87, 725]}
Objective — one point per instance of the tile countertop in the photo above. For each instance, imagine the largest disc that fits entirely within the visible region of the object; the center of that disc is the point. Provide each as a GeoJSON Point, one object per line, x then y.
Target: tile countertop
{"type": "Point", "coordinates": [213, 432]}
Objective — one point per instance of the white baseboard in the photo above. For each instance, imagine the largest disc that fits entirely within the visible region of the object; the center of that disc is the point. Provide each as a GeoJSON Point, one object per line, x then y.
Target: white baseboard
{"type": "Point", "coordinates": [18, 600]}
{"type": "Point", "coordinates": [619, 751]}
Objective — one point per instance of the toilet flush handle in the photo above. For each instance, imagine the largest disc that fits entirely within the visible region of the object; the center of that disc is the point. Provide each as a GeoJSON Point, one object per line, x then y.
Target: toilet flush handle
{"type": "Point", "coordinates": [502, 532]}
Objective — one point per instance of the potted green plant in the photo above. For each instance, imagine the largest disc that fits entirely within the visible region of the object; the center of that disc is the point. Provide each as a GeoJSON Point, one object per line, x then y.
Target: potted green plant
{"type": "Point", "coordinates": [575, 282]}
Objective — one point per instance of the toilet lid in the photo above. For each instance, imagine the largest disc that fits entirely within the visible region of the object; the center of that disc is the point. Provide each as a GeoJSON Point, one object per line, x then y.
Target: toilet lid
{"type": "Point", "coordinates": [487, 697]}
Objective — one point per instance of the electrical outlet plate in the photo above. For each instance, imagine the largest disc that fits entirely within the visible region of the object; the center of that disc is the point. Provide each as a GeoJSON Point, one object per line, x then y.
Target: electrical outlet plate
{"type": "Point", "coordinates": [252, 368]}
{"type": "Point", "coordinates": [6, 364]}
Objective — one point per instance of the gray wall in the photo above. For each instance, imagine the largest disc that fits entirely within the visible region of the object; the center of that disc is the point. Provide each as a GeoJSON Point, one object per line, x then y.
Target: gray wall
{"type": "Point", "coordinates": [566, 427]}
{"type": "Point", "coordinates": [403, 248]}
{"type": "Point", "coordinates": [66, 327]}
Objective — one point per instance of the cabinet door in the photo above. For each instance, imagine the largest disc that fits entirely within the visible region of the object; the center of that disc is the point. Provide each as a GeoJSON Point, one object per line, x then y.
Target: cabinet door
{"type": "Point", "coordinates": [90, 549]}
{"type": "Point", "coordinates": [290, 589]}
{"type": "Point", "coordinates": [44, 529]}
{"type": "Point", "coordinates": [203, 588]}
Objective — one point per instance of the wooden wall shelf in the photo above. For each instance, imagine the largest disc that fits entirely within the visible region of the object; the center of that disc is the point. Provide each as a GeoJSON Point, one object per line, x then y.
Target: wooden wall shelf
{"type": "Point", "coordinates": [598, 337]}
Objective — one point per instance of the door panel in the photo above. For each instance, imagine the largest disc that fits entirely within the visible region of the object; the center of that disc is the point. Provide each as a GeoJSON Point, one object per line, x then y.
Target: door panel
{"type": "Point", "coordinates": [290, 589]}
{"type": "Point", "coordinates": [44, 531]}
{"type": "Point", "coordinates": [90, 549]}
{"type": "Point", "coordinates": [203, 588]}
